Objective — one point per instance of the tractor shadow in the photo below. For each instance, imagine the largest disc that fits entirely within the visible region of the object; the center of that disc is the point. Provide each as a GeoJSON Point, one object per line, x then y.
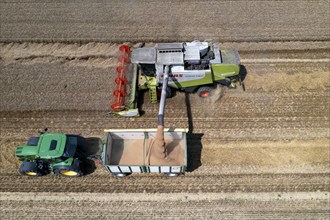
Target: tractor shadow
{"type": "Point", "coordinates": [90, 151]}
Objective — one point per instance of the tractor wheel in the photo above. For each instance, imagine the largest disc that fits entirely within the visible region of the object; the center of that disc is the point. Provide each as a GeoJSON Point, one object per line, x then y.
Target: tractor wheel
{"type": "Point", "coordinates": [204, 91]}
{"type": "Point", "coordinates": [31, 169]}
{"type": "Point", "coordinates": [168, 92]}
{"type": "Point", "coordinates": [70, 171]}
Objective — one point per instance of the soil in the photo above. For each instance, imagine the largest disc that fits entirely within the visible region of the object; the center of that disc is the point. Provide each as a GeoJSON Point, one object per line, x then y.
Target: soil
{"type": "Point", "coordinates": [126, 21]}
{"type": "Point", "coordinates": [259, 154]}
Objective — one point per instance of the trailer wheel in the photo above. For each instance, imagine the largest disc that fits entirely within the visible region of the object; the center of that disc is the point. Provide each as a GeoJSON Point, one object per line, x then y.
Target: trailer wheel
{"type": "Point", "coordinates": [171, 174]}
{"type": "Point", "coordinates": [204, 91]}
{"type": "Point", "coordinates": [120, 174]}
{"type": "Point", "coordinates": [31, 169]}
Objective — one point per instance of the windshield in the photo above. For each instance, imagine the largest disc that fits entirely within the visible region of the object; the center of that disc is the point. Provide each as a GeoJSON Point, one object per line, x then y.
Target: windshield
{"type": "Point", "coordinates": [71, 146]}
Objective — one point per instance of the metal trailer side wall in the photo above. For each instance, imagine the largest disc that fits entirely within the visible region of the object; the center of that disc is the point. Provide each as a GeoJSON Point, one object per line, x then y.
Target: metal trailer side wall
{"type": "Point", "coordinates": [140, 168]}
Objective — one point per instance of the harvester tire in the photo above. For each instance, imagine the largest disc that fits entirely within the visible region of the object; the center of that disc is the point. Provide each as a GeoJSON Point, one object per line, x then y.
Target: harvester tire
{"type": "Point", "coordinates": [31, 169]}
{"type": "Point", "coordinates": [168, 92]}
{"type": "Point", "coordinates": [204, 91]}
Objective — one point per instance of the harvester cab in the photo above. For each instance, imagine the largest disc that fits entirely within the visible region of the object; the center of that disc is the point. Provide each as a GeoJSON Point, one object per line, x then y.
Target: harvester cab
{"type": "Point", "coordinates": [194, 67]}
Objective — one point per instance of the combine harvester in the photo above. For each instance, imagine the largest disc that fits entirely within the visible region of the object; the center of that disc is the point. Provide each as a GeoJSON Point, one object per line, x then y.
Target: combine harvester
{"type": "Point", "coordinates": [189, 67]}
{"type": "Point", "coordinates": [193, 67]}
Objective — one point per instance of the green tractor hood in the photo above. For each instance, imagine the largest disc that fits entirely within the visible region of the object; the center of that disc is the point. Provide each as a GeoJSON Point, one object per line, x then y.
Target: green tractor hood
{"type": "Point", "coordinates": [49, 146]}
{"type": "Point", "coordinates": [26, 151]}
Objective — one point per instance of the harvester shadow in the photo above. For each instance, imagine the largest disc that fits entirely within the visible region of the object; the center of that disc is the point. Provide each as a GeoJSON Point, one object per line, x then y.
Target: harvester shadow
{"type": "Point", "coordinates": [194, 151]}
{"type": "Point", "coordinates": [140, 102]}
{"type": "Point", "coordinates": [90, 151]}
{"type": "Point", "coordinates": [242, 74]}
{"type": "Point", "coordinates": [142, 96]}
{"type": "Point", "coordinates": [194, 141]}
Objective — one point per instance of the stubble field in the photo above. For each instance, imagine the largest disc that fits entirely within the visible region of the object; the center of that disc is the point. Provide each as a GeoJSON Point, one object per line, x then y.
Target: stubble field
{"type": "Point", "coordinates": [259, 154]}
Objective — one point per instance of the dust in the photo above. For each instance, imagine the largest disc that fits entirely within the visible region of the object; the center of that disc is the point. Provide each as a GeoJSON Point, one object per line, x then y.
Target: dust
{"type": "Point", "coordinates": [290, 82]}
{"type": "Point", "coordinates": [216, 94]}
{"type": "Point", "coordinates": [267, 153]}
{"type": "Point", "coordinates": [158, 153]}
{"type": "Point", "coordinates": [157, 147]}
{"type": "Point", "coordinates": [278, 45]}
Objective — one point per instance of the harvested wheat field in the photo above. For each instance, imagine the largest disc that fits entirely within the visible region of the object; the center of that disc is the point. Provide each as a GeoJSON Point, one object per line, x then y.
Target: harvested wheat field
{"type": "Point", "coordinates": [263, 153]}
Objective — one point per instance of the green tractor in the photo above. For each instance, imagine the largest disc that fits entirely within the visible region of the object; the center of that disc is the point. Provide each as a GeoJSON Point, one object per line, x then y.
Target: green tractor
{"type": "Point", "coordinates": [51, 152]}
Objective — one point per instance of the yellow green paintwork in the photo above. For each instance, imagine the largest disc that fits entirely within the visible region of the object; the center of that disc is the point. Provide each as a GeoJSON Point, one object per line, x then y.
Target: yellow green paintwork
{"type": "Point", "coordinates": [66, 162]}
{"type": "Point", "coordinates": [149, 82]}
{"type": "Point", "coordinates": [222, 71]}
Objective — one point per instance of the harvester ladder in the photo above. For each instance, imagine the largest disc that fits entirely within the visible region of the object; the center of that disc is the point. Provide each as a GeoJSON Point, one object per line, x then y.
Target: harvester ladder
{"type": "Point", "coordinates": [153, 94]}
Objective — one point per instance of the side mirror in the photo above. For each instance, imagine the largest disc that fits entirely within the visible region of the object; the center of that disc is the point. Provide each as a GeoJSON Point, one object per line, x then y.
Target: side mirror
{"type": "Point", "coordinates": [44, 131]}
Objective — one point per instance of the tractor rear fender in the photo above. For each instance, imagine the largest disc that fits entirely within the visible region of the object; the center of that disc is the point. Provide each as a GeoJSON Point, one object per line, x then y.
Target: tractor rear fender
{"type": "Point", "coordinates": [75, 164]}
{"type": "Point", "coordinates": [67, 162]}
